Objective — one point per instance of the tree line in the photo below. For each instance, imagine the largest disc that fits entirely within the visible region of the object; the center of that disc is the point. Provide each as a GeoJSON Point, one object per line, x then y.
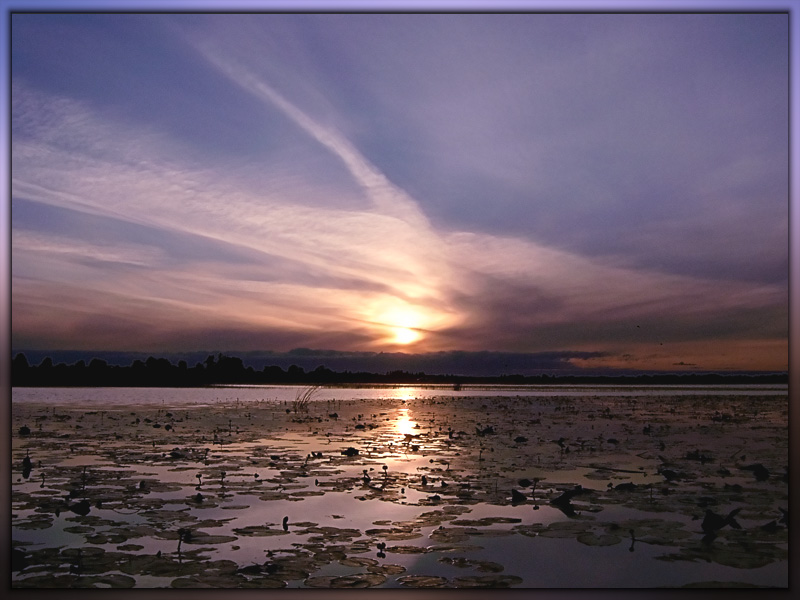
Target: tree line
{"type": "Point", "coordinates": [221, 369]}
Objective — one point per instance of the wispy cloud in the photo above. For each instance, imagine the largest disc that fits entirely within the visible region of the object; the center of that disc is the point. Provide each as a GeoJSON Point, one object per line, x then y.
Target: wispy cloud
{"type": "Point", "coordinates": [374, 270]}
{"type": "Point", "coordinates": [48, 247]}
{"type": "Point", "coordinates": [148, 188]}
{"type": "Point", "coordinates": [337, 254]}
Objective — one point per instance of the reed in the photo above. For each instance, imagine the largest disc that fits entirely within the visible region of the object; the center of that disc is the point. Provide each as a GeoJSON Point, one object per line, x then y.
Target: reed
{"type": "Point", "coordinates": [302, 399]}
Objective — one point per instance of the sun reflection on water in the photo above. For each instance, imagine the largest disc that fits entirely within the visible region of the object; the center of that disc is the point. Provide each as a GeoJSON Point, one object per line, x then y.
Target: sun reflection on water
{"type": "Point", "coordinates": [404, 394]}
{"type": "Point", "coordinates": [404, 424]}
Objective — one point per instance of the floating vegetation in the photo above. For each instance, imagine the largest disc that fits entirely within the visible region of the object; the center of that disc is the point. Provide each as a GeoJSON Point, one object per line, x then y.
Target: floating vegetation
{"type": "Point", "coordinates": [386, 569]}
{"type": "Point", "coordinates": [38, 522]}
{"type": "Point", "coordinates": [74, 581]}
{"type": "Point", "coordinates": [590, 538]}
{"type": "Point", "coordinates": [444, 548]}
{"type": "Point", "coordinates": [423, 581]}
{"type": "Point", "coordinates": [732, 550]}
{"type": "Point", "coordinates": [395, 534]}
{"type": "Point", "coordinates": [485, 521]}
{"type": "Point", "coordinates": [250, 496]}
{"type": "Point", "coordinates": [450, 535]}
{"type": "Point", "coordinates": [566, 529]}
{"type": "Point", "coordinates": [259, 531]}
{"type": "Point", "coordinates": [363, 580]}
{"type": "Point", "coordinates": [332, 534]}
{"type": "Point", "coordinates": [481, 565]}
{"type": "Point", "coordinates": [487, 581]}
{"type": "Point", "coordinates": [407, 549]}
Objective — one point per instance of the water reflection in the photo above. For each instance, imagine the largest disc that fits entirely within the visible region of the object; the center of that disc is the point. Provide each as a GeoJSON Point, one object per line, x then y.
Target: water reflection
{"type": "Point", "coordinates": [276, 394]}
{"type": "Point", "coordinates": [399, 495]}
{"type": "Point", "coordinates": [404, 425]}
{"type": "Point", "coordinates": [406, 393]}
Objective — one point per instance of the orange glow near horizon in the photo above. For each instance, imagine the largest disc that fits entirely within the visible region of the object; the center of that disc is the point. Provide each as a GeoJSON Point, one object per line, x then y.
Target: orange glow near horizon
{"type": "Point", "coordinates": [706, 355]}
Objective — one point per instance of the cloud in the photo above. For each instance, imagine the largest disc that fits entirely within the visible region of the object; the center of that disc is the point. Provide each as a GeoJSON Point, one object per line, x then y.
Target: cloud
{"type": "Point", "coordinates": [33, 245]}
{"type": "Point", "coordinates": [317, 258]}
{"type": "Point", "coordinates": [328, 273]}
{"type": "Point", "coordinates": [593, 133]}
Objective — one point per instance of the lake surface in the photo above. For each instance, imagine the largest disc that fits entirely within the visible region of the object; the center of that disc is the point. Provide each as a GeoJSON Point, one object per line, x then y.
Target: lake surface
{"type": "Point", "coordinates": [399, 487]}
{"type": "Point", "coordinates": [286, 394]}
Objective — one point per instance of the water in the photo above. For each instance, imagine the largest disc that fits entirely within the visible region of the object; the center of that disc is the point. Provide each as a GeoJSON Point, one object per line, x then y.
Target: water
{"type": "Point", "coordinates": [254, 455]}
{"type": "Point", "coordinates": [98, 396]}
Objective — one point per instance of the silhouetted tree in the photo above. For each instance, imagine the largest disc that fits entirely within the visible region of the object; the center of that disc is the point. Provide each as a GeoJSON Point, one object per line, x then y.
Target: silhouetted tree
{"type": "Point", "coordinates": [273, 374]}
{"type": "Point", "coordinates": [20, 370]}
{"type": "Point", "coordinates": [20, 362]}
{"type": "Point", "coordinates": [229, 369]}
{"type": "Point", "coordinates": [320, 375]}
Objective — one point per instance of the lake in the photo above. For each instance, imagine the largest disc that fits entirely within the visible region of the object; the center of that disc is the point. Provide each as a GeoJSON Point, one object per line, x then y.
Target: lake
{"type": "Point", "coordinates": [281, 394]}
{"type": "Point", "coordinates": [400, 487]}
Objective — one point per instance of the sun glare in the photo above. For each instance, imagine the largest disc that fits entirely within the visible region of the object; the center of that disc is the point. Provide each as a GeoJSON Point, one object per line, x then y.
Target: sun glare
{"type": "Point", "coordinates": [404, 323]}
{"type": "Point", "coordinates": [406, 335]}
{"type": "Point", "coordinates": [404, 425]}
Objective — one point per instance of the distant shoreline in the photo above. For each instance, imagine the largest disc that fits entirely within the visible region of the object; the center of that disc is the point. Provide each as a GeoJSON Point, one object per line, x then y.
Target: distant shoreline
{"type": "Point", "coordinates": [228, 370]}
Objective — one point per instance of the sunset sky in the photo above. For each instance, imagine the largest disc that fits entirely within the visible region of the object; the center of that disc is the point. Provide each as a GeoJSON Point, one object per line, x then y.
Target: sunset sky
{"type": "Point", "coordinates": [613, 188]}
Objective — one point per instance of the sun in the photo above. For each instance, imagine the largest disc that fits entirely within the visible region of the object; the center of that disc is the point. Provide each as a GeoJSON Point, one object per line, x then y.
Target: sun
{"type": "Point", "coordinates": [404, 324]}
{"type": "Point", "coordinates": [405, 335]}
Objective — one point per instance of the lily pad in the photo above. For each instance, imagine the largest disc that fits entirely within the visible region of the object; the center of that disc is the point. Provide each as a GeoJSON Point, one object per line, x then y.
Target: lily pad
{"type": "Point", "coordinates": [458, 548]}
{"type": "Point", "coordinates": [114, 580]}
{"type": "Point", "coordinates": [592, 539]}
{"type": "Point", "coordinates": [264, 583]}
{"type": "Point", "coordinates": [214, 579]}
{"type": "Point", "coordinates": [487, 581]}
{"type": "Point", "coordinates": [407, 549]}
{"type": "Point", "coordinates": [330, 534]}
{"type": "Point", "coordinates": [449, 535]}
{"type": "Point", "coordinates": [363, 580]}
{"type": "Point", "coordinates": [259, 531]}
{"type": "Point", "coordinates": [358, 562]}
{"type": "Point", "coordinates": [485, 521]}
{"type": "Point", "coordinates": [37, 523]}
{"type": "Point", "coordinates": [481, 565]}
{"type": "Point", "coordinates": [737, 554]}
{"type": "Point", "coordinates": [200, 538]}
{"type": "Point", "coordinates": [387, 569]}
{"type": "Point", "coordinates": [78, 529]}
{"type": "Point", "coordinates": [565, 529]}
{"type": "Point", "coordinates": [89, 552]}
{"type": "Point", "coordinates": [423, 581]}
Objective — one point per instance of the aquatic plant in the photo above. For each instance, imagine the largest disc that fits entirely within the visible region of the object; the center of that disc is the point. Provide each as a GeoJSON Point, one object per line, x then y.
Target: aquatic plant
{"type": "Point", "coordinates": [116, 480]}
{"type": "Point", "coordinates": [184, 535]}
{"type": "Point", "coordinates": [302, 399]}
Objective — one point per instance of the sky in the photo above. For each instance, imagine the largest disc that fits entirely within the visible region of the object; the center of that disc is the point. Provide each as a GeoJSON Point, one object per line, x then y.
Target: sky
{"type": "Point", "coordinates": [605, 190]}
